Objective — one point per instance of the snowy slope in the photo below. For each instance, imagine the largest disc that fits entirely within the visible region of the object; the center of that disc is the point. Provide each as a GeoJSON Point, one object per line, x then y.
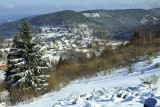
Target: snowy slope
{"type": "Point", "coordinates": [100, 91]}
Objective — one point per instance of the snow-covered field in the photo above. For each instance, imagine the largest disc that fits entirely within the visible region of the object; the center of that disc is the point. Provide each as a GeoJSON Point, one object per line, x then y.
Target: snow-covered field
{"type": "Point", "coordinates": [116, 90]}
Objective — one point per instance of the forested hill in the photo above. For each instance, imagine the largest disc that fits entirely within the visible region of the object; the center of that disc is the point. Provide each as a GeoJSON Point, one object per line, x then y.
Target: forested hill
{"type": "Point", "coordinates": [118, 23]}
{"type": "Point", "coordinates": [65, 18]}
{"type": "Point", "coordinates": [124, 22]}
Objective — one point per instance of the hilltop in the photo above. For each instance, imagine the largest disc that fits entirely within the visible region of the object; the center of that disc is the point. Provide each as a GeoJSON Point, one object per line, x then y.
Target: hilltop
{"type": "Point", "coordinates": [124, 21]}
{"type": "Point", "coordinates": [65, 18]}
{"type": "Point", "coordinates": [120, 24]}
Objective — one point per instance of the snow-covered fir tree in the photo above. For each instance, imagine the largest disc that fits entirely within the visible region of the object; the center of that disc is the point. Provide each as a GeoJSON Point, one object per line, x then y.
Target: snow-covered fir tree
{"type": "Point", "coordinates": [26, 65]}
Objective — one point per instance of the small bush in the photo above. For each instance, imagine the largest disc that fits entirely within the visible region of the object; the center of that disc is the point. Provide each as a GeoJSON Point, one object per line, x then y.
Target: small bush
{"type": "Point", "coordinates": [1, 55]}
{"type": "Point", "coordinates": [20, 94]}
{"type": "Point", "coordinates": [54, 82]}
{"type": "Point", "coordinates": [151, 80]}
{"type": "Point", "coordinates": [150, 54]}
{"type": "Point", "coordinates": [149, 61]}
{"type": "Point", "coordinates": [130, 69]}
{"type": "Point", "coordinates": [3, 95]}
{"type": "Point", "coordinates": [157, 65]}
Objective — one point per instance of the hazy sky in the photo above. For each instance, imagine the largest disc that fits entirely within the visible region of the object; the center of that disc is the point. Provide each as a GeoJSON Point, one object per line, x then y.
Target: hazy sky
{"type": "Point", "coordinates": [11, 7]}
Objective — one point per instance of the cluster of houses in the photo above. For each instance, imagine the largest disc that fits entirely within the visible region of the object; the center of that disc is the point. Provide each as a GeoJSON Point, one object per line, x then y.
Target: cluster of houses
{"type": "Point", "coordinates": [72, 40]}
{"type": "Point", "coordinates": [60, 38]}
{"type": "Point", "coordinates": [75, 41]}
{"type": "Point", "coordinates": [58, 32]}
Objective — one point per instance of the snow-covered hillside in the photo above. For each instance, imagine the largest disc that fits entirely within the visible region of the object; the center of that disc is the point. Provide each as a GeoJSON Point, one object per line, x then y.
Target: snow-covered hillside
{"type": "Point", "coordinates": [116, 90]}
{"type": "Point", "coordinates": [91, 14]}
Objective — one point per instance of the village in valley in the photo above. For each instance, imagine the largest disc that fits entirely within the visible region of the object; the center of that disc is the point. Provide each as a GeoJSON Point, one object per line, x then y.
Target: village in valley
{"type": "Point", "coordinates": [57, 41]}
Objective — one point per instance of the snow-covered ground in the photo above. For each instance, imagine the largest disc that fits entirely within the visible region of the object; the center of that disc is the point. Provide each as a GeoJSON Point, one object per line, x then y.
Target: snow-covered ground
{"type": "Point", "coordinates": [2, 73]}
{"type": "Point", "coordinates": [115, 90]}
{"type": "Point", "coordinates": [2, 77]}
{"type": "Point", "coordinates": [3, 94]}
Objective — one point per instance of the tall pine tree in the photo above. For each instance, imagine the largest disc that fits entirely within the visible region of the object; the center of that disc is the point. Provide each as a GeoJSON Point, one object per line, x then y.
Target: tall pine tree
{"type": "Point", "coordinates": [26, 65]}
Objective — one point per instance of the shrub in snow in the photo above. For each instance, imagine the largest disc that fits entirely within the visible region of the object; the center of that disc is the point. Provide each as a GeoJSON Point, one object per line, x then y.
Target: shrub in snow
{"type": "Point", "coordinates": [129, 62]}
{"type": "Point", "coordinates": [1, 55]}
{"type": "Point", "coordinates": [130, 68]}
{"type": "Point", "coordinates": [149, 57]}
{"type": "Point", "coordinates": [157, 64]}
{"type": "Point", "coordinates": [3, 96]}
{"type": "Point", "coordinates": [149, 61]}
{"type": "Point", "coordinates": [151, 80]}
{"type": "Point", "coordinates": [26, 66]}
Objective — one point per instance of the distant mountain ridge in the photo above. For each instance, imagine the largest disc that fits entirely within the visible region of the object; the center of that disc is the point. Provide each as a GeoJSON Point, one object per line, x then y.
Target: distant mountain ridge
{"type": "Point", "coordinates": [10, 18]}
{"type": "Point", "coordinates": [122, 21]}
{"type": "Point", "coordinates": [118, 23]}
{"type": "Point", "coordinates": [67, 18]}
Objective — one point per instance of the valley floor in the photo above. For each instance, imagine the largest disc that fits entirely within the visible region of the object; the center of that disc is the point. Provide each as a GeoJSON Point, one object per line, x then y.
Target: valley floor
{"type": "Point", "coordinates": [103, 91]}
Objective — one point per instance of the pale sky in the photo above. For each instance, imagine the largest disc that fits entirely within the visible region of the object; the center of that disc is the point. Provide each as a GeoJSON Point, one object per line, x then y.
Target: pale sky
{"type": "Point", "coordinates": [33, 7]}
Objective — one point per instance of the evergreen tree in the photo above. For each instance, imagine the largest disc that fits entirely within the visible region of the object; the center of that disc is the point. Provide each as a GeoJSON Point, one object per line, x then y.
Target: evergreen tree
{"type": "Point", "coordinates": [26, 65]}
{"type": "Point", "coordinates": [136, 39]}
